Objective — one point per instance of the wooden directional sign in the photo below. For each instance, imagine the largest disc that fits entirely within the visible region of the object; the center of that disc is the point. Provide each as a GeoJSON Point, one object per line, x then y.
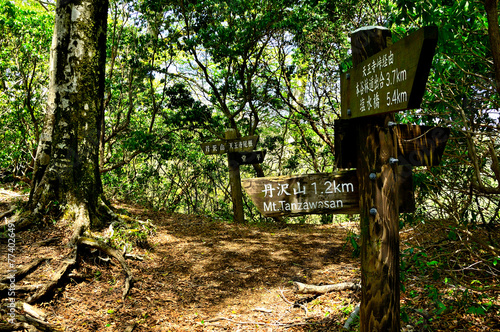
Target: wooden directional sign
{"type": "Point", "coordinates": [247, 143]}
{"type": "Point", "coordinates": [421, 145]}
{"type": "Point", "coordinates": [417, 145]}
{"type": "Point", "coordinates": [391, 80]}
{"type": "Point", "coordinates": [318, 193]}
{"type": "Point", "coordinates": [247, 158]}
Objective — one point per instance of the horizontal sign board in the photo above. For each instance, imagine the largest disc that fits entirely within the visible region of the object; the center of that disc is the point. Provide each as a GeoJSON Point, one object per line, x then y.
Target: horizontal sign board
{"type": "Point", "coordinates": [417, 145]}
{"type": "Point", "coordinates": [392, 80]}
{"type": "Point", "coordinates": [247, 158]}
{"type": "Point", "coordinates": [421, 145]}
{"type": "Point", "coordinates": [247, 143]}
{"type": "Point", "coordinates": [318, 193]}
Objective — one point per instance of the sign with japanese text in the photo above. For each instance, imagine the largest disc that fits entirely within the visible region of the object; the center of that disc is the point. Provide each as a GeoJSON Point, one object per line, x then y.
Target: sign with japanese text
{"type": "Point", "coordinates": [392, 80]}
{"type": "Point", "coordinates": [247, 158]}
{"type": "Point", "coordinates": [318, 193]}
{"type": "Point", "coordinates": [247, 143]}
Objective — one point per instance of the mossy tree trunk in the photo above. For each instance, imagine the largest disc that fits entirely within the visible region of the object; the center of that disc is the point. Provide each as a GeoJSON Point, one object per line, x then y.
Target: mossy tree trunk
{"type": "Point", "coordinates": [66, 168]}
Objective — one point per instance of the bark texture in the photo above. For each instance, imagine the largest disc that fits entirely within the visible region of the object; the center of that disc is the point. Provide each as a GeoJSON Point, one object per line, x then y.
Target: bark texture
{"type": "Point", "coordinates": [491, 7]}
{"type": "Point", "coordinates": [66, 170]}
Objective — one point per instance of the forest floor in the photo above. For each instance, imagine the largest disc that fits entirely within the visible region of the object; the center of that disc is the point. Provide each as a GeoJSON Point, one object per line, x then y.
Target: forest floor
{"type": "Point", "coordinates": [200, 274]}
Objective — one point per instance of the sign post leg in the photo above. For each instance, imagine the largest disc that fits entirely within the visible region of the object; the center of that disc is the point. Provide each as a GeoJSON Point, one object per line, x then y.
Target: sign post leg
{"type": "Point", "coordinates": [235, 182]}
{"type": "Point", "coordinates": [379, 212]}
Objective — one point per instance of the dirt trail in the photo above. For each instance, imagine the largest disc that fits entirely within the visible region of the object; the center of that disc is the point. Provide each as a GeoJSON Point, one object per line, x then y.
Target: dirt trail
{"type": "Point", "coordinates": [201, 275]}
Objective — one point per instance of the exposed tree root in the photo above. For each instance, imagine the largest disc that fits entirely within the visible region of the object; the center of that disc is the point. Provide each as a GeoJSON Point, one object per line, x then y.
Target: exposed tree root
{"type": "Point", "coordinates": [19, 288]}
{"type": "Point", "coordinates": [25, 270]}
{"type": "Point", "coordinates": [20, 274]}
{"type": "Point", "coordinates": [31, 310]}
{"type": "Point", "coordinates": [34, 317]}
{"type": "Point", "coordinates": [70, 261]}
{"type": "Point", "coordinates": [31, 319]}
{"type": "Point", "coordinates": [323, 289]}
{"type": "Point", "coordinates": [67, 264]}
{"type": "Point", "coordinates": [7, 213]}
{"type": "Point", "coordinates": [113, 253]}
{"type": "Point", "coordinates": [14, 327]}
{"type": "Point", "coordinates": [37, 323]}
{"type": "Point", "coordinates": [19, 221]}
{"type": "Point", "coordinates": [47, 242]}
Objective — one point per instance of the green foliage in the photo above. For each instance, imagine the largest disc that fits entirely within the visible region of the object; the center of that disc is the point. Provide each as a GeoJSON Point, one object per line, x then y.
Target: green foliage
{"type": "Point", "coordinates": [461, 95]}
{"type": "Point", "coordinates": [179, 73]}
{"type": "Point", "coordinates": [25, 35]}
{"type": "Point", "coordinates": [130, 233]}
{"type": "Point", "coordinates": [353, 239]}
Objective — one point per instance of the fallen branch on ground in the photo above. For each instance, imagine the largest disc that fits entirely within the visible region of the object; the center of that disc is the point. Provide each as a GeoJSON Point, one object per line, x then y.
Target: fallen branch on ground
{"type": "Point", "coordinates": [294, 304]}
{"type": "Point", "coordinates": [130, 327]}
{"type": "Point", "coordinates": [323, 289]}
{"type": "Point", "coordinates": [353, 315]}
{"type": "Point", "coordinates": [286, 325]}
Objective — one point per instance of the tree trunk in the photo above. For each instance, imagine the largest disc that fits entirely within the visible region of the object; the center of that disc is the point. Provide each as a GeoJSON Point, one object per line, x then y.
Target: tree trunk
{"type": "Point", "coordinates": [66, 173]}
{"type": "Point", "coordinates": [491, 7]}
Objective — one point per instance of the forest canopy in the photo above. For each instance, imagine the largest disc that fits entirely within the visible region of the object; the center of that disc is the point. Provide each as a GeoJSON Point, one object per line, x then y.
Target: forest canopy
{"type": "Point", "coordinates": [178, 73]}
{"type": "Point", "coordinates": [107, 104]}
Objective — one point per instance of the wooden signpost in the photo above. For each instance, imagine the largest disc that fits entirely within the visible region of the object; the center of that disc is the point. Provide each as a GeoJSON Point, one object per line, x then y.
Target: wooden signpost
{"type": "Point", "coordinates": [305, 194]}
{"type": "Point", "coordinates": [239, 153]}
{"type": "Point", "coordinates": [391, 80]}
{"type": "Point", "coordinates": [421, 145]}
{"type": "Point", "coordinates": [247, 158]}
{"type": "Point", "coordinates": [369, 104]}
{"type": "Point", "coordinates": [386, 78]}
{"type": "Point", "coordinates": [247, 143]}
{"type": "Point", "coordinates": [417, 145]}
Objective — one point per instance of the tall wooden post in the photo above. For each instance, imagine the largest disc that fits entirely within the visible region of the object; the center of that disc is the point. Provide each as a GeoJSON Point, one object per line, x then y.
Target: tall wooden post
{"type": "Point", "coordinates": [235, 182]}
{"type": "Point", "coordinates": [377, 176]}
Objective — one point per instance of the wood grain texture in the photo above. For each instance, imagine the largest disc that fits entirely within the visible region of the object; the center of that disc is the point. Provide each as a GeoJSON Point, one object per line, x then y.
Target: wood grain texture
{"type": "Point", "coordinates": [242, 144]}
{"type": "Point", "coordinates": [235, 183]}
{"type": "Point", "coordinates": [317, 193]}
{"type": "Point", "coordinates": [421, 145]}
{"type": "Point", "coordinates": [392, 79]}
{"type": "Point", "coordinates": [379, 310]}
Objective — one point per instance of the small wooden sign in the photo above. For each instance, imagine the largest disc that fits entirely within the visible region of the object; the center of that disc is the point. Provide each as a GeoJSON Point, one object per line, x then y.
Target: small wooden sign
{"type": "Point", "coordinates": [247, 158]}
{"type": "Point", "coordinates": [318, 193]}
{"type": "Point", "coordinates": [421, 145]}
{"type": "Point", "coordinates": [417, 145]}
{"type": "Point", "coordinates": [392, 80]}
{"type": "Point", "coordinates": [247, 143]}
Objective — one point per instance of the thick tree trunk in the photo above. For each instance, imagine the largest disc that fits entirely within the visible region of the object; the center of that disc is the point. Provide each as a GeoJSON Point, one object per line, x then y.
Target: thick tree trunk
{"type": "Point", "coordinates": [491, 7]}
{"type": "Point", "coordinates": [66, 168]}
